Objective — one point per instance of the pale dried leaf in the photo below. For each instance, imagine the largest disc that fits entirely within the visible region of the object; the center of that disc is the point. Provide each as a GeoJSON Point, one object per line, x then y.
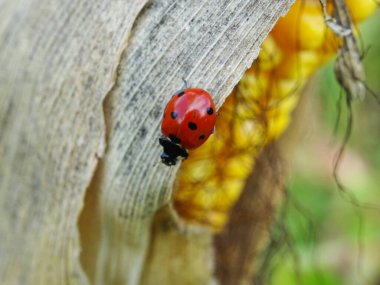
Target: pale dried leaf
{"type": "Point", "coordinates": [60, 60]}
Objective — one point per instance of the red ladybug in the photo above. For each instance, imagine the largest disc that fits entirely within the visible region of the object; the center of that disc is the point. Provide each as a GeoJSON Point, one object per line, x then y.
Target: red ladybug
{"type": "Point", "coordinates": [188, 121]}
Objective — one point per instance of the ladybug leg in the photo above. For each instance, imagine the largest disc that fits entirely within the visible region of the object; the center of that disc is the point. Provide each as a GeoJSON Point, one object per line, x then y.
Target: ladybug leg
{"type": "Point", "coordinates": [183, 153]}
{"type": "Point", "coordinates": [167, 159]}
{"type": "Point", "coordinates": [171, 151]}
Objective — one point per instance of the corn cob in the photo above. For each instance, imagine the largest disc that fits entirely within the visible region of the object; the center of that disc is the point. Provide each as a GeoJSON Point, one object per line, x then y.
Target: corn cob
{"type": "Point", "coordinates": [256, 113]}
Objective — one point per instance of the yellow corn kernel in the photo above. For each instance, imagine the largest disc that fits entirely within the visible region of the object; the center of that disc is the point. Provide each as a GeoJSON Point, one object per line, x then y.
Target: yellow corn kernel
{"type": "Point", "coordinates": [231, 189]}
{"type": "Point", "coordinates": [269, 57]}
{"type": "Point", "coordinates": [361, 9]}
{"type": "Point", "coordinates": [252, 86]}
{"type": "Point", "coordinates": [239, 166]}
{"type": "Point", "coordinates": [302, 28]}
{"type": "Point", "coordinates": [298, 65]}
{"type": "Point", "coordinates": [279, 116]}
{"type": "Point", "coordinates": [200, 170]}
{"type": "Point", "coordinates": [282, 88]}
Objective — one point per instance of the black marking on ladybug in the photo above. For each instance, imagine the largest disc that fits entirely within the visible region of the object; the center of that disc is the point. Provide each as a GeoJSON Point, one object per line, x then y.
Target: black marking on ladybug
{"type": "Point", "coordinates": [173, 115]}
{"type": "Point", "coordinates": [180, 94]}
{"type": "Point", "coordinates": [174, 139]}
{"type": "Point", "coordinates": [210, 111]}
{"type": "Point", "coordinates": [202, 137]}
{"type": "Point", "coordinates": [192, 126]}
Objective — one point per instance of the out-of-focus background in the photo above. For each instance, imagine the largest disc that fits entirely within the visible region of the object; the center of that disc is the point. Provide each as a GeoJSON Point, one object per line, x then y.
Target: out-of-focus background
{"type": "Point", "coordinates": [330, 240]}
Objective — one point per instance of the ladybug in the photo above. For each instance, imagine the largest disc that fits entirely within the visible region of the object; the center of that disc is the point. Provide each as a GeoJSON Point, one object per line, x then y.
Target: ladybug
{"type": "Point", "coordinates": [188, 121]}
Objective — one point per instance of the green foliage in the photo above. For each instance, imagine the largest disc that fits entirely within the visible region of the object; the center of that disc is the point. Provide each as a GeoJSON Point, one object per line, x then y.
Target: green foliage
{"type": "Point", "coordinates": [333, 241]}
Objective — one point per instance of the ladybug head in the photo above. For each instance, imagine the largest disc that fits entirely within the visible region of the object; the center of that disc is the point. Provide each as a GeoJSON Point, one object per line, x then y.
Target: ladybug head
{"type": "Point", "coordinates": [171, 152]}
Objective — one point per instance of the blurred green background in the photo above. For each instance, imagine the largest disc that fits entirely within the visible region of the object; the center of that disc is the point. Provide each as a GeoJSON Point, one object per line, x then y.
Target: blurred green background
{"type": "Point", "coordinates": [324, 238]}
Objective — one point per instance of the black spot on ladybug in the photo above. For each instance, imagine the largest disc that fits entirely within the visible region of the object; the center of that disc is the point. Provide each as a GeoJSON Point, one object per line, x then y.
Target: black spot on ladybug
{"type": "Point", "coordinates": [173, 115]}
{"type": "Point", "coordinates": [210, 111]}
{"type": "Point", "coordinates": [202, 137]}
{"type": "Point", "coordinates": [192, 126]}
{"type": "Point", "coordinates": [174, 139]}
{"type": "Point", "coordinates": [180, 94]}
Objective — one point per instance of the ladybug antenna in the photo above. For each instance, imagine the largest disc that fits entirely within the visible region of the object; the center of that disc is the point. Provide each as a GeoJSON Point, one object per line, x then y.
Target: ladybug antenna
{"type": "Point", "coordinates": [184, 81]}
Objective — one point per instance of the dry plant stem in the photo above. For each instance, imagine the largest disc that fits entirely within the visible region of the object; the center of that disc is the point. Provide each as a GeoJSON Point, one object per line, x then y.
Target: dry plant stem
{"type": "Point", "coordinates": [348, 67]}
{"type": "Point", "coordinates": [239, 245]}
{"type": "Point", "coordinates": [350, 74]}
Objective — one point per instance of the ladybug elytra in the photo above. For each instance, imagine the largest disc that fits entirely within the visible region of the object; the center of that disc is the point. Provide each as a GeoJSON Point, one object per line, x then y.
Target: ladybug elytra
{"type": "Point", "coordinates": [188, 120]}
